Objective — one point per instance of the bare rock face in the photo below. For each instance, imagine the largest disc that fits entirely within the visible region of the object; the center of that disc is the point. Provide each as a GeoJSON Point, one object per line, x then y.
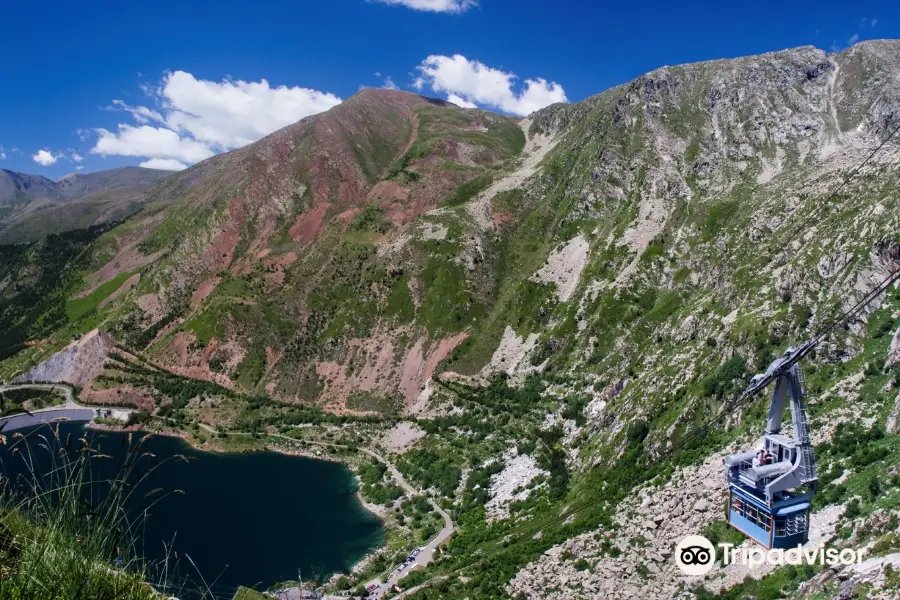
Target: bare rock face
{"type": "Point", "coordinates": [689, 328]}
{"type": "Point", "coordinates": [894, 351]}
{"type": "Point", "coordinates": [78, 363]}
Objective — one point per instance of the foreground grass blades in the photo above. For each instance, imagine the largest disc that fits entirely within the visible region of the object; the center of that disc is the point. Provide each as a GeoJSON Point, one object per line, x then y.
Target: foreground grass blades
{"type": "Point", "coordinates": [65, 533]}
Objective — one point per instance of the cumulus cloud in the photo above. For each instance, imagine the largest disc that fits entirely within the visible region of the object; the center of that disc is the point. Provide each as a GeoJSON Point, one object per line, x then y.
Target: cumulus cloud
{"type": "Point", "coordinates": [45, 157]}
{"type": "Point", "coordinates": [389, 84]}
{"type": "Point", "coordinates": [141, 114]}
{"type": "Point", "coordinates": [152, 142]}
{"type": "Point", "coordinates": [472, 82]}
{"type": "Point", "coordinates": [195, 118]}
{"type": "Point", "coordinates": [166, 164]}
{"type": "Point", "coordinates": [230, 114]}
{"type": "Point", "coordinates": [462, 102]}
{"type": "Point", "coordinates": [75, 156]}
{"type": "Point", "coordinates": [442, 6]}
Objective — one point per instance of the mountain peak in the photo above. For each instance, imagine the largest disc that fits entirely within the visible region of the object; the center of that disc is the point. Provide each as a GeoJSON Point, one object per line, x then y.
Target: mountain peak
{"type": "Point", "coordinates": [396, 97]}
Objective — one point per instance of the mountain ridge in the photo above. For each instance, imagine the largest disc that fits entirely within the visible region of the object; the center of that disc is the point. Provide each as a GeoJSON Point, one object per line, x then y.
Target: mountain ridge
{"type": "Point", "coordinates": [32, 205]}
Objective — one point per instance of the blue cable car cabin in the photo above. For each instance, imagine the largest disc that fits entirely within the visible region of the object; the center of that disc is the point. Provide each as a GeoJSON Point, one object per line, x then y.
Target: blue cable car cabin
{"type": "Point", "coordinates": [770, 487]}
{"type": "Point", "coordinates": [783, 524]}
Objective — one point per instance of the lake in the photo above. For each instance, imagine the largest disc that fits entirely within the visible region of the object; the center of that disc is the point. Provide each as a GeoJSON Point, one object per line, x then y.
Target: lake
{"type": "Point", "coordinates": [249, 519]}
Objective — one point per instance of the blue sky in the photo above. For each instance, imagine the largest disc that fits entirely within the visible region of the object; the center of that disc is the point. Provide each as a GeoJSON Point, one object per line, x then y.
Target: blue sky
{"type": "Point", "coordinates": [187, 75]}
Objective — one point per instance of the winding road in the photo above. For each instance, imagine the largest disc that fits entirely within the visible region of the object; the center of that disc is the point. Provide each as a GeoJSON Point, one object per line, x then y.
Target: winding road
{"type": "Point", "coordinates": [70, 410]}
{"type": "Point", "coordinates": [49, 387]}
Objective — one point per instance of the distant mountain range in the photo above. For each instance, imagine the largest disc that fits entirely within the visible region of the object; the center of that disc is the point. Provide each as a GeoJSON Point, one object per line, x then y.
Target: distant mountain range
{"type": "Point", "coordinates": [32, 205]}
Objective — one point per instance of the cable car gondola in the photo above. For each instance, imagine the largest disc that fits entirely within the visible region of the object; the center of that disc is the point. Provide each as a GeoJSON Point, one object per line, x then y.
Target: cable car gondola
{"type": "Point", "coordinates": [770, 487]}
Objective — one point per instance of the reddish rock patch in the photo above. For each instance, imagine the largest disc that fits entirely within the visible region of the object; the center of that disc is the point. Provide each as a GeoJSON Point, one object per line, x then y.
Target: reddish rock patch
{"type": "Point", "coordinates": [417, 370]}
{"type": "Point", "coordinates": [276, 278]}
{"type": "Point", "coordinates": [220, 253]}
{"type": "Point", "coordinates": [272, 358]}
{"type": "Point", "coordinates": [380, 352]}
{"type": "Point", "coordinates": [203, 291]}
{"type": "Point", "coordinates": [336, 377]}
{"type": "Point", "coordinates": [501, 218]}
{"type": "Point", "coordinates": [309, 224]}
{"type": "Point", "coordinates": [124, 396]}
{"type": "Point", "coordinates": [152, 307]}
{"type": "Point", "coordinates": [182, 357]}
{"type": "Point", "coordinates": [385, 192]}
{"type": "Point", "coordinates": [348, 215]}
{"type": "Point", "coordinates": [277, 266]}
{"type": "Point", "coordinates": [281, 261]}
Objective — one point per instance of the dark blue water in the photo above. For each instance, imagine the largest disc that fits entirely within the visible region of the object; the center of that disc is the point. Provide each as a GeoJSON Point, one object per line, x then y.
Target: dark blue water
{"type": "Point", "coordinates": [248, 519]}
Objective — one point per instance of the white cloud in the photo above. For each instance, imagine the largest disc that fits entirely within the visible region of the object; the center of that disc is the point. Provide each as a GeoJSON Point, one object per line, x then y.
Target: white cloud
{"type": "Point", "coordinates": [152, 142]}
{"type": "Point", "coordinates": [141, 114]}
{"type": "Point", "coordinates": [45, 158]}
{"type": "Point", "coordinates": [166, 164]}
{"type": "Point", "coordinates": [447, 6]}
{"type": "Point", "coordinates": [461, 101]}
{"type": "Point", "coordinates": [2, 153]}
{"type": "Point", "coordinates": [475, 83]}
{"type": "Point", "coordinates": [231, 114]}
{"type": "Point", "coordinates": [389, 84]}
{"type": "Point", "coordinates": [853, 39]}
{"type": "Point", "coordinates": [75, 156]}
{"type": "Point", "coordinates": [874, 22]}
{"type": "Point", "coordinates": [79, 168]}
{"type": "Point", "coordinates": [197, 118]}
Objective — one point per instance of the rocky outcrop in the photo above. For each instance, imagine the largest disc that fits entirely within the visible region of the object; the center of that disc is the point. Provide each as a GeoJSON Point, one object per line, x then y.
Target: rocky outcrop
{"type": "Point", "coordinates": [511, 484]}
{"type": "Point", "coordinates": [78, 363]}
{"type": "Point", "coordinates": [893, 357]}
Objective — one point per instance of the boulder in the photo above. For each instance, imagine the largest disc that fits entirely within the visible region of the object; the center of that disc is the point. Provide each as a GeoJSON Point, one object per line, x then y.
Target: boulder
{"type": "Point", "coordinates": [689, 328]}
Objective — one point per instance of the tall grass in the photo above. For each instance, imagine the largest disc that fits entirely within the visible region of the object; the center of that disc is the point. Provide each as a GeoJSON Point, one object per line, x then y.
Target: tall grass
{"type": "Point", "coordinates": [65, 530]}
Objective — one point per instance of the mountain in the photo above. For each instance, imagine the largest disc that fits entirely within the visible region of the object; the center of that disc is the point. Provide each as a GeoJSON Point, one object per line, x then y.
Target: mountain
{"type": "Point", "coordinates": [559, 300]}
{"type": "Point", "coordinates": [31, 205]}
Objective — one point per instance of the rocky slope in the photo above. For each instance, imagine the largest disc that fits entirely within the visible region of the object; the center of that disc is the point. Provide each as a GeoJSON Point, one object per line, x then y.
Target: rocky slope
{"type": "Point", "coordinates": [78, 363]}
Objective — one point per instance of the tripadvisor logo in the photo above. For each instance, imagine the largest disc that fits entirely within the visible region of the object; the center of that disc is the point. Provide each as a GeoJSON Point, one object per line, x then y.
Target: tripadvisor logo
{"type": "Point", "coordinates": [696, 555]}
